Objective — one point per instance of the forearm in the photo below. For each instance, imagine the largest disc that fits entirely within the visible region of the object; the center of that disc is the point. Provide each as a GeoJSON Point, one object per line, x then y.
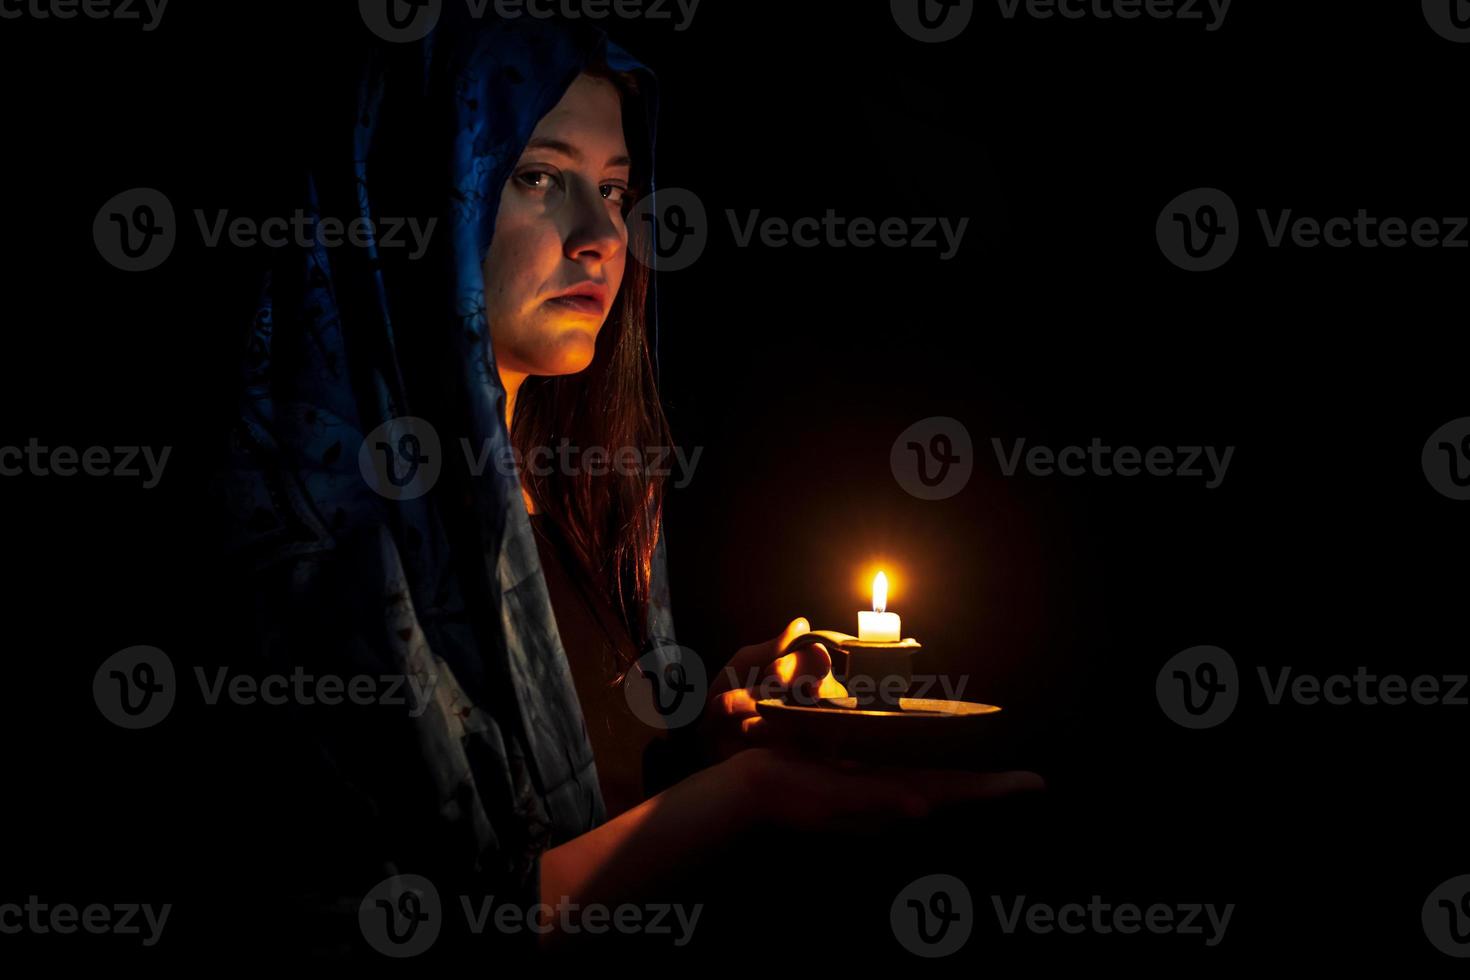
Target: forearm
{"type": "Point", "coordinates": [630, 857]}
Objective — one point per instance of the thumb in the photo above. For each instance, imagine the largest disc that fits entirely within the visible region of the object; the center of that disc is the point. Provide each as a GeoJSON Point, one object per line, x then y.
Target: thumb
{"type": "Point", "coordinates": [749, 660]}
{"type": "Point", "coordinates": [793, 629]}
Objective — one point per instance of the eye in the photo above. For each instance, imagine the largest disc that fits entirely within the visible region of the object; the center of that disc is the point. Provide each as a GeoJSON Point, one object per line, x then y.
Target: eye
{"type": "Point", "coordinates": [539, 180]}
{"type": "Point", "coordinates": [621, 196]}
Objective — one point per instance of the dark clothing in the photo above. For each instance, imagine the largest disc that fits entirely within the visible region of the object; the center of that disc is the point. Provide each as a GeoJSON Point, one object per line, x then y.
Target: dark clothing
{"type": "Point", "coordinates": [598, 649]}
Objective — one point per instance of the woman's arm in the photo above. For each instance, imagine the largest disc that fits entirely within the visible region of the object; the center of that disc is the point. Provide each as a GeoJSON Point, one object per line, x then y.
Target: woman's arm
{"type": "Point", "coordinates": [654, 845]}
{"type": "Point", "coordinates": [630, 857]}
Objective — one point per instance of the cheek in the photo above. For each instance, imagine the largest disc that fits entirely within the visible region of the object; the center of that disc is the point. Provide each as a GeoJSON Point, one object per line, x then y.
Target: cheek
{"type": "Point", "coordinates": [522, 256]}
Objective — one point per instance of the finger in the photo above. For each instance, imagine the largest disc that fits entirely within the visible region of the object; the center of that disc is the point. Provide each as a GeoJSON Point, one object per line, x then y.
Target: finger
{"type": "Point", "coordinates": [803, 668]}
{"type": "Point", "coordinates": [755, 730]}
{"type": "Point", "coordinates": [831, 688]}
{"type": "Point", "coordinates": [749, 662]}
{"type": "Point", "coordinates": [735, 704]}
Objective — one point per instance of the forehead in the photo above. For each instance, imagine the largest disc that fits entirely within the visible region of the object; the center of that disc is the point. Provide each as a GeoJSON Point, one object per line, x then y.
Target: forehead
{"type": "Point", "coordinates": [589, 116]}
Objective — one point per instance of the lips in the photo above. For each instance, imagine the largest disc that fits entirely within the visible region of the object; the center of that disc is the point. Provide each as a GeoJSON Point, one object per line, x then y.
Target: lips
{"type": "Point", "coordinates": [588, 297]}
{"type": "Point", "coordinates": [578, 304]}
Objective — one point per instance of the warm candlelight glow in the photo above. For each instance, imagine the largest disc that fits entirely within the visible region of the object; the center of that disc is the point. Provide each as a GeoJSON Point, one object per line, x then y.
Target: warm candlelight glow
{"type": "Point", "coordinates": [879, 626]}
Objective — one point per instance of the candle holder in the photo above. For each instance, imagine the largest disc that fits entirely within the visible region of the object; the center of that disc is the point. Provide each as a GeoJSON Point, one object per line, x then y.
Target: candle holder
{"type": "Point", "coordinates": [876, 673]}
{"type": "Point", "coordinates": [877, 720]}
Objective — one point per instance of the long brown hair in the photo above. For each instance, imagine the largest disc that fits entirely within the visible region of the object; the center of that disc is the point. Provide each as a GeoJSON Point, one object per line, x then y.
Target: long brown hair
{"type": "Point", "coordinates": [611, 521]}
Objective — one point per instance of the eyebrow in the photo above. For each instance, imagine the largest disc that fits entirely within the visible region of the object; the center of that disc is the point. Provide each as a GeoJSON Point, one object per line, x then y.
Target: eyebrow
{"type": "Point", "coordinates": [567, 149]}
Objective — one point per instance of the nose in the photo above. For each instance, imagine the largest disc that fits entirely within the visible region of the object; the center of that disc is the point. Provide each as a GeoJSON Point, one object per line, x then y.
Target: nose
{"type": "Point", "coordinates": [594, 235]}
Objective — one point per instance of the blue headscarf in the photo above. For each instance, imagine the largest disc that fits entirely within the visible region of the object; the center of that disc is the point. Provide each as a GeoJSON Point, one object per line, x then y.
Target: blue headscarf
{"type": "Point", "coordinates": [348, 579]}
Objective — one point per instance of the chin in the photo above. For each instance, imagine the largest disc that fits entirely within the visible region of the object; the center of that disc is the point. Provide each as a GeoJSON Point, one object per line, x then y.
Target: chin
{"type": "Point", "coordinates": [575, 347]}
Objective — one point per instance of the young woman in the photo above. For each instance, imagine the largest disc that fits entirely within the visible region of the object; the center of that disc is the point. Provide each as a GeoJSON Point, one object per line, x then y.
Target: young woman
{"type": "Point", "coordinates": [524, 597]}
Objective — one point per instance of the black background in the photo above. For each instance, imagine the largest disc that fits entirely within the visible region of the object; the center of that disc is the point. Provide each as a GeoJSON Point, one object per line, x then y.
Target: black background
{"type": "Point", "coordinates": [794, 370]}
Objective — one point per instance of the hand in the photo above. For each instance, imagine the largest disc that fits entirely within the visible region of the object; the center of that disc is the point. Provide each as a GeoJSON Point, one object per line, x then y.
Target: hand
{"type": "Point", "coordinates": [730, 722]}
{"type": "Point", "coordinates": [791, 789]}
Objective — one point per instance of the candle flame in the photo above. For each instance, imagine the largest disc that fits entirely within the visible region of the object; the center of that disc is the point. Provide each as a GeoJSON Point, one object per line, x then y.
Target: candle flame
{"type": "Point", "coordinates": [880, 592]}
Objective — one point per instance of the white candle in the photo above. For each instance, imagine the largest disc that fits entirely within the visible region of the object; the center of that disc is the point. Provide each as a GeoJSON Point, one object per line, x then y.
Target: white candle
{"type": "Point", "coordinates": [879, 626]}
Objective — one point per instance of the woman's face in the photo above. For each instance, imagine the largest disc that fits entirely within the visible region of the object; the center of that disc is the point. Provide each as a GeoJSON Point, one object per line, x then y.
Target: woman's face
{"type": "Point", "coordinates": [556, 259]}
